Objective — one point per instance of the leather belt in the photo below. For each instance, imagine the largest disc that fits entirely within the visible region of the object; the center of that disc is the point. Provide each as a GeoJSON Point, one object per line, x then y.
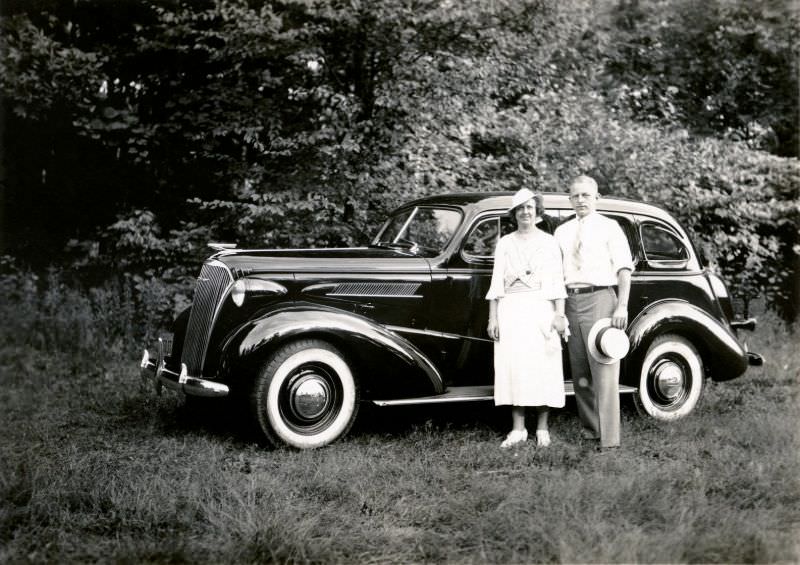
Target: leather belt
{"type": "Point", "coordinates": [585, 289]}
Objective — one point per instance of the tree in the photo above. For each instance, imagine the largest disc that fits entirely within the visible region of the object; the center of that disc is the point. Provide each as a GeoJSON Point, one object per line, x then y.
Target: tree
{"type": "Point", "coordinates": [728, 68]}
{"type": "Point", "coordinates": [301, 123]}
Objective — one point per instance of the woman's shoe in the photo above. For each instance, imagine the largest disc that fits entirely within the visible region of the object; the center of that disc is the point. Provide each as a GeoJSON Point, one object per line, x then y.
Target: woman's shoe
{"type": "Point", "coordinates": [542, 438]}
{"type": "Point", "coordinates": [514, 437]}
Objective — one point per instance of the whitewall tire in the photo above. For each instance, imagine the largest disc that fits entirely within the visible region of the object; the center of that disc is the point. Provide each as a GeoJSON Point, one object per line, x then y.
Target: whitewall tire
{"type": "Point", "coordinates": [670, 379]}
{"type": "Point", "coordinates": [305, 395]}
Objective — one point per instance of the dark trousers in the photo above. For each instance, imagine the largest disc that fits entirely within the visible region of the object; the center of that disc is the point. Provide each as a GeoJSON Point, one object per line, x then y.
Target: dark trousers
{"type": "Point", "coordinates": [596, 385]}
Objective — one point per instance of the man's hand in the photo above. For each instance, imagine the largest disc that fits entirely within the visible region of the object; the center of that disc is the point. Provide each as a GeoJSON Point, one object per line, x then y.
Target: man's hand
{"type": "Point", "coordinates": [619, 319]}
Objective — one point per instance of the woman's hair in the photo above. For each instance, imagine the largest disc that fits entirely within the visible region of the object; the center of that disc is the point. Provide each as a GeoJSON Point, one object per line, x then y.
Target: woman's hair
{"type": "Point", "coordinates": [538, 200]}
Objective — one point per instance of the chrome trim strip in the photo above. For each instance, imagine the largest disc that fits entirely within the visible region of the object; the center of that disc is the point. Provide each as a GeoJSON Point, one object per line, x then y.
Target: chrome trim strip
{"type": "Point", "coordinates": [406, 330]}
{"type": "Point", "coordinates": [402, 230]}
{"type": "Point", "coordinates": [374, 295]}
{"type": "Point", "coordinates": [319, 287]}
{"type": "Point", "coordinates": [302, 274]}
{"type": "Point", "coordinates": [220, 246]}
{"type": "Point", "coordinates": [471, 394]}
{"type": "Point", "coordinates": [460, 274]}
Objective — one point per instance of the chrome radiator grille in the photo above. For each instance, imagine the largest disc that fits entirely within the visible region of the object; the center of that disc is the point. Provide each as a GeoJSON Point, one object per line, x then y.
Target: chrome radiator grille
{"type": "Point", "coordinates": [211, 285]}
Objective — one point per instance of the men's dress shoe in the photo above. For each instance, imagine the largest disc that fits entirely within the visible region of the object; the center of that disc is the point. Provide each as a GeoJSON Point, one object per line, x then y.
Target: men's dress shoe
{"type": "Point", "coordinates": [514, 438]}
{"type": "Point", "coordinates": [542, 438]}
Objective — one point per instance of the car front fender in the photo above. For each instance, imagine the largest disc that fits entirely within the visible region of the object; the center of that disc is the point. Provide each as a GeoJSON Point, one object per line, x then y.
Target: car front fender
{"type": "Point", "coordinates": [389, 363]}
{"type": "Point", "coordinates": [723, 356]}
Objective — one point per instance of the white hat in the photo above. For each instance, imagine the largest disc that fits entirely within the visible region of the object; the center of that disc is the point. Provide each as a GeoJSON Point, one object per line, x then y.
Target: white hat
{"type": "Point", "coordinates": [522, 196]}
{"type": "Point", "coordinates": [607, 344]}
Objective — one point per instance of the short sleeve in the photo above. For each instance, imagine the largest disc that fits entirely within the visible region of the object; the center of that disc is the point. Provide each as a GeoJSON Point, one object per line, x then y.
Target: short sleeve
{"type": "Point", "coordinates": [618, 247]}
{"type": "Point", "coordinates": [497, 287]}
{"type": "Point", "coordinates": [556, 271]}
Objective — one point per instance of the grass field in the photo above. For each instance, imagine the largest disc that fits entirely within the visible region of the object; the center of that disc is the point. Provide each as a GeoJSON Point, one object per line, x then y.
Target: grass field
{"type": "Point", "coordinates": [93, 469]}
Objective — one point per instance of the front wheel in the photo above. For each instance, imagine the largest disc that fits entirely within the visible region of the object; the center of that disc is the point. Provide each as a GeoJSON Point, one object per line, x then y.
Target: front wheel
{"type": "Point", "coordinates": [671, 379]}
{"type": "Point", "coordinates": [305, 395]}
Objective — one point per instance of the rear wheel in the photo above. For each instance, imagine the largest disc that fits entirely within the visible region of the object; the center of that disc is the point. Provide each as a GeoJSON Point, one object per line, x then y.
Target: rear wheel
{"type": "Point", "coordinates": [305, 395]}
{"type": "Point", "coordinates": [671, 379]}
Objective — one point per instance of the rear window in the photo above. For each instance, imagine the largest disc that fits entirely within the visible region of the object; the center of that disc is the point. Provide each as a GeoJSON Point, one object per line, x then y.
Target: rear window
{"type": "Point", "coordinates": [661, 244]}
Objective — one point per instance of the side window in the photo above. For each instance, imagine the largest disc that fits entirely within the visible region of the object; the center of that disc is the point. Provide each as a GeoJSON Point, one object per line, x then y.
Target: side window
{"type": "Point", "coordinates": [481, 241]}
{"type": "Point", "coordinates": [662, 247]}
{"type": "Point", "coordinates": [432, 228]}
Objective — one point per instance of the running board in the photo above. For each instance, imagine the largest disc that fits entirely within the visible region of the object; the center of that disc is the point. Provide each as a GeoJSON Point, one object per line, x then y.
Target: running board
{"type": "Point", "coordinates": [471, 394]}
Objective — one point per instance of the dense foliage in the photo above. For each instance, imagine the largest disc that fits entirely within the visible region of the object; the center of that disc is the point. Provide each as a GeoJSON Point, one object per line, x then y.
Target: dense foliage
{"type": "Point", "coordinates": [139, 132]}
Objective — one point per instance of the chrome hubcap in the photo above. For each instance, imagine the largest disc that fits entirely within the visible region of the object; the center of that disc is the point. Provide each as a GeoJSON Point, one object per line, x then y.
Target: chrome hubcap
{"type": "Point", "coordinates": [669, 380]}
{"type": "Point", "coordinates": [309, 396]}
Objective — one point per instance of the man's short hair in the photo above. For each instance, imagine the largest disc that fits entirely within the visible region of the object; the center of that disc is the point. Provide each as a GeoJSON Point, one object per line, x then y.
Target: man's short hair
{"type": "Point", "coordinates": [585, 180]}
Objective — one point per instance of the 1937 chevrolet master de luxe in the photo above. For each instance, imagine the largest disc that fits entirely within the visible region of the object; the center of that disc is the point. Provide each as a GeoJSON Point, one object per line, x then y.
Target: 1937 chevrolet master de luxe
{"type": "Point", "coordinates": [304, 336]}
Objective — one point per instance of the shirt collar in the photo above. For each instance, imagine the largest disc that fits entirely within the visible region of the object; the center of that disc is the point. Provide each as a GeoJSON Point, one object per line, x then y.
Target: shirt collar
{"type": "Point", "coordinates": [588, 218]}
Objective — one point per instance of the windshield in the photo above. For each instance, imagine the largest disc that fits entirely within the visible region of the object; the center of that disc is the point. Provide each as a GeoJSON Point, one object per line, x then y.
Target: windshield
{"type": "Point", "coordinates": [421, 230]}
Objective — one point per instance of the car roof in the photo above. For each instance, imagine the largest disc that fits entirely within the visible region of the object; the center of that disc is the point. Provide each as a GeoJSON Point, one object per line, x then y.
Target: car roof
{"type": "Point", "coordinates": [502, 200]}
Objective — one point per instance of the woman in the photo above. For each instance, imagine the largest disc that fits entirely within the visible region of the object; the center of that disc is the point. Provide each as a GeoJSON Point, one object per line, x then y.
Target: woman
{"type": "Point", "coordinates": [526, 314]}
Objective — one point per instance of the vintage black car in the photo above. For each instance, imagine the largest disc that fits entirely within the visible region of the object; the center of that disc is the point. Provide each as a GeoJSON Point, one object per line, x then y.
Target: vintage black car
{"type": "Point", "coordinates": [303, 337]}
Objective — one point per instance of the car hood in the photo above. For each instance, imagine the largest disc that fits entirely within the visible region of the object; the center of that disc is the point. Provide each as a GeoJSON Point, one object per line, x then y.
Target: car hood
{"type": "Point", "coordinates": [353, 259]}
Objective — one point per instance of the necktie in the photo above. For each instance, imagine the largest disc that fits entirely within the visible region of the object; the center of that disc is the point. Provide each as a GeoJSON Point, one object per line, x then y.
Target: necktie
{"type": "Point", "coordinates": [577, 251]}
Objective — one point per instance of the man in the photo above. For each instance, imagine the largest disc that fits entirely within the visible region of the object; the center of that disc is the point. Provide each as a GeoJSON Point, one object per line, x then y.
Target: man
{"type": "Point", "coordinates": [597, 258]}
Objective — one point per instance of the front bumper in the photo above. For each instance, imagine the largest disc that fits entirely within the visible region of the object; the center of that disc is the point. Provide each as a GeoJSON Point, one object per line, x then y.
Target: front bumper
{"type": "Point", "coordinates": [154, 371]}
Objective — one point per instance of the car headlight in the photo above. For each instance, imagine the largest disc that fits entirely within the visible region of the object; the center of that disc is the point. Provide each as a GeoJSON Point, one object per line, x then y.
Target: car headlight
{"type": "Point", "coordinates": [239, 291]}
{"type": "Point", "coordinates": [251, 286]}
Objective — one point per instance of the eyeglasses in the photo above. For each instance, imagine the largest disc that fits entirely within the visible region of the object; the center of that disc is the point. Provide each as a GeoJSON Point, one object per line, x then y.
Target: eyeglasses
{"type": "Point", "coordinates": [584, 195]}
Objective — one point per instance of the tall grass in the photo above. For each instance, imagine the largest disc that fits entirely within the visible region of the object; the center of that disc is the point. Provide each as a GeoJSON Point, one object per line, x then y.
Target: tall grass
{"type": "Point", "coordinates": [52, 313]}
{"type": "Point", "coordinates": [93, 468]}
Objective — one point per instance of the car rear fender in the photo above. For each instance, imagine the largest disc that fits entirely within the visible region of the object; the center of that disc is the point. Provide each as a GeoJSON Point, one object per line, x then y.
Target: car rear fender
{"type": "Point", "coordinates": [724, 358]}
{"type": "Point", "coordinates": [386, 363]}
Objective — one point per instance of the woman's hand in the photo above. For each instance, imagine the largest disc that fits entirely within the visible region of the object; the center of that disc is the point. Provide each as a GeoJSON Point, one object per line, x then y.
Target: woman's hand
{"type": "Point", "coordinates": [493, 329]}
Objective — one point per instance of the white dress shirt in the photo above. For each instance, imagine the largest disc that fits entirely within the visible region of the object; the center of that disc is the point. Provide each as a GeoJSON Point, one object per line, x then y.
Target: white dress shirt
{"type": "Point", "coordinates": [604, 250]}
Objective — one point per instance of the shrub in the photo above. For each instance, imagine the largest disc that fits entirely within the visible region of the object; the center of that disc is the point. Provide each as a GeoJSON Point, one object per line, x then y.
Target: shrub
{"type": "Point", "coordinates": [57, 313]}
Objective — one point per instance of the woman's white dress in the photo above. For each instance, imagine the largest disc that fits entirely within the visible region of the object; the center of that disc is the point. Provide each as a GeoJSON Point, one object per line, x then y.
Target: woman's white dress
{"type": "Point", "coordinates": [527, 277]}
